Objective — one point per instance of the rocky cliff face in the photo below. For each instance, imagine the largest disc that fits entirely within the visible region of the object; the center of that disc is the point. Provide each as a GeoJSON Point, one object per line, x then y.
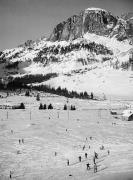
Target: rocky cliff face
{"type": "Point", "coordinates": [97, 21]}
{"type": "Point", "coordinates": [92, 20]}
{"type": "Point", "coordinates": [128, 17]}
{"type": "Point", "coordinates": [68, 30]}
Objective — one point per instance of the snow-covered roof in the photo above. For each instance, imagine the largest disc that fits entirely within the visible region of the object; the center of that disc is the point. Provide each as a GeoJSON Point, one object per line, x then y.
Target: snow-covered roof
{"type": "Point", "coordinates": [127, 113]}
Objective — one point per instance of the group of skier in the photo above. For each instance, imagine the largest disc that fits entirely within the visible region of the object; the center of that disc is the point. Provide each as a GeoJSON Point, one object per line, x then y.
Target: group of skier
{"type": "Point", "coordinates": [21, 141]}
{"type": "Point", "coordinates": [88, 164]}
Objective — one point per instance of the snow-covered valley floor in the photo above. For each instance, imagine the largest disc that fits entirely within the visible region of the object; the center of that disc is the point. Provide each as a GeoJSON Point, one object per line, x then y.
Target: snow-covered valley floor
{"type": "Point", "coordinates": [64, 132]}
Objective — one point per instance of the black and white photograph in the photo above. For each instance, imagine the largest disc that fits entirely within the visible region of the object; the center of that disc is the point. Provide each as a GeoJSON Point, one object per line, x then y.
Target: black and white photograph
{"type": "Point", "coordinates": [66, 89]}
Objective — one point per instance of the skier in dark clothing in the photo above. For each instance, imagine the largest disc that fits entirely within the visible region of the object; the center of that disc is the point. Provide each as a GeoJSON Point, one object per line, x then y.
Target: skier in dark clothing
{"type": "Point", "coordinates": [86, 155]}
{"type": "Point", "coordinates": [83, 147]}
{"type": "Point", "coordinates": [68, 162]}
{"type": "Point", "coordinates": [96, 155]}
{"type": "Point", "coordinates": [10, 176]}
{"type": "Point", "coordinates": [94, 160]}
{"type": "Point", "coordinates": [19, 141]}
{"type": "Point", "coordinates": [79, 158]}
{"type": "Point", "coordinates": [88, 166]}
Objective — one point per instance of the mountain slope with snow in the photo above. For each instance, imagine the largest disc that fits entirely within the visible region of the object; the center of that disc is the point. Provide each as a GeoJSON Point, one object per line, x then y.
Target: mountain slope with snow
{"type": "Point", "coordinates": [98, 60]}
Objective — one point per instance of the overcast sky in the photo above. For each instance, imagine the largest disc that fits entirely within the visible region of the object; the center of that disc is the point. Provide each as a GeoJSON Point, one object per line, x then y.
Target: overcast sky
{"type": "Point", "coordinates": [21, 20]}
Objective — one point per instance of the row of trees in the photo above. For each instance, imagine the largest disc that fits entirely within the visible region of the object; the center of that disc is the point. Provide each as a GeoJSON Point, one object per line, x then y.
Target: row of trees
{"type": "Point", "coordinates": [21, 82]}
{"type": "Point", "coordinates": [71, 107]}
{"type": "Point", "coordinates": [45, 106]}
{"type": "Point", "coordinates": [64, 92]}
{"type": "Point", "coordinates": [50, 106]}
{"type": "Point", "coordinates": [21, 106]}
{"type": "Point", "coordinates": [11, 65]}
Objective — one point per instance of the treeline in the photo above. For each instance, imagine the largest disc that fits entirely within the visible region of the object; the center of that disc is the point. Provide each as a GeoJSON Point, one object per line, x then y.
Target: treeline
{"type": "Point", "coordinates": [64, 92]}
{"type": "Point", "coordinates": [12, 65]}
{"type": "Point", "coordinates": [21, 82]}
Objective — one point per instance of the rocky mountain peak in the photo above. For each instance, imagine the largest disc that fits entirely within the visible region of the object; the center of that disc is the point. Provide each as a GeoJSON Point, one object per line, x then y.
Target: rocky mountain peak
{"type": "Point", "coordinates": [92, 20]}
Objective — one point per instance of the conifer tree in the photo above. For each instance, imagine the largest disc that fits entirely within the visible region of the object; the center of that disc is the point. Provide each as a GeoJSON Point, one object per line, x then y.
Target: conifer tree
{"type": "Point", "coordinates": [41, 106]}
{"type": "Point", "coordinates": [65, 107]}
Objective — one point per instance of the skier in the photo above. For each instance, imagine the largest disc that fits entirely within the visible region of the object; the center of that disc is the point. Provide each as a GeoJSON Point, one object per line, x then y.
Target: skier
{"type": "Point", "coordinates": [86, 155]}
{"type": "Point", "coordinates": [95, 168]}
{"type": "Point", "coordinates": [83, 147]}
{"type": "Point", "coordinates": [68, 162]}
{"type": "Point", "coordinates": [88, 166]}
{"type": "Point", "coordinates": [96, 155]}
{"type": "Point", "coordinates": [12, 131]}
{"type": "Point", "coordinates": [102, 147]}
{"type": "Point", "coordinates": [19, 141]}
{"type": "Point", "coordinates": [10, 174]}
{"type": "Point", "coordinates": [94, 160]}
{"type": "Point", "coordinates": [79, 158]}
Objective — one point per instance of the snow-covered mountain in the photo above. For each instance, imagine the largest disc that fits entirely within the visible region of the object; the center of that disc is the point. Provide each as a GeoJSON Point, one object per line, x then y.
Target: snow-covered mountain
{"type": "Point", "coordinates": [91, 51]}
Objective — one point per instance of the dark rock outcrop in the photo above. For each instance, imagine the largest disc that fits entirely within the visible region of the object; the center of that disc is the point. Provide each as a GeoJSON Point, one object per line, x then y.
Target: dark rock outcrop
{"type": "Point", "coordinates": [128, 17]}
{"type": "Point", "coordinates": [28, 43]}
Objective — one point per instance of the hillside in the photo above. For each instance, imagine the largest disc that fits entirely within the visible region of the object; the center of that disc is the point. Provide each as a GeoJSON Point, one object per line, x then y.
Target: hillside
{"type": "Point", "coordinates": [87, 52]}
